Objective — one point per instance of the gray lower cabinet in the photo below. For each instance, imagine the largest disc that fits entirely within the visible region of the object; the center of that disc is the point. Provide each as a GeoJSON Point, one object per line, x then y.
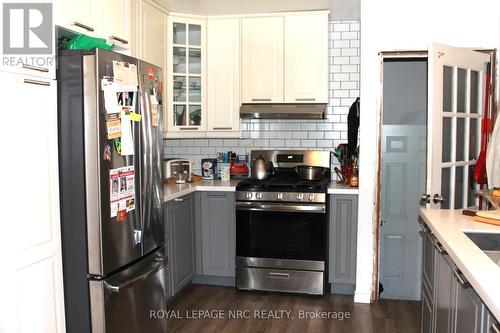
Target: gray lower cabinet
{"type": "Point", "coordinates": [343, 221]}
{"type": "Point", "coordinates": [449, 303]}
{"type": "Point", "coordinates": [181, 214]}
{"type": "Point", "coordinates": [215, 230]}
{"type": "Point", "coordinates": [490, 324]}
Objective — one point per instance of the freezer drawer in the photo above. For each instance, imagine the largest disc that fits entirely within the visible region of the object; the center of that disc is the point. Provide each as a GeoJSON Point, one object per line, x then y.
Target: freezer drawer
{"type": "Point", "coordinates": [122, 302]}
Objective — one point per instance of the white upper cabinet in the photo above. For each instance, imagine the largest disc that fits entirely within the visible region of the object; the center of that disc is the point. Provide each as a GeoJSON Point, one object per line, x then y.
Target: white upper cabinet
{"type": "Point", "coordinates": [108, 19]}
{"type": "Point", "coordinates": [76, 15]}
{"type": "Point", "coordinates": [223, 78]}
{"type": "Point", "coordinates": [152, 34]}
{"type": "Point", "coordinates": [114, 21]}
{"type": "Point", "coordinates": [306, 58]}
{"type": "Point", "coordinates": [186, 77]}
{"type": "Point", "coordinates": [262, 60]}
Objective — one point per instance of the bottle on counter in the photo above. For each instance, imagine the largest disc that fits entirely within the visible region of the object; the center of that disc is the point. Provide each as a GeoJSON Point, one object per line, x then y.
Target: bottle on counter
{"type": "Point", "coordinates": [353, 179]}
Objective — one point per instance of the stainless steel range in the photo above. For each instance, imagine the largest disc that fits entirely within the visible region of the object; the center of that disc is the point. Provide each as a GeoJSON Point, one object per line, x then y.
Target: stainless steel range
{"type": "Point", "coordinates": [281, 226]}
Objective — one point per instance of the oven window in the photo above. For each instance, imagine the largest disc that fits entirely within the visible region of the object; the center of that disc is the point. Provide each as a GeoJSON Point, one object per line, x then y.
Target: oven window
{"type": "Point", "coordinates": [281, 235]}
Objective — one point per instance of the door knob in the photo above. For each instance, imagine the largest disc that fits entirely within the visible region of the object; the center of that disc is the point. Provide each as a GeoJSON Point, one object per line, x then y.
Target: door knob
{"type": "Point", "coordinates": [425, 198]}
{"type": "Point", "coordinates": [438, 199]}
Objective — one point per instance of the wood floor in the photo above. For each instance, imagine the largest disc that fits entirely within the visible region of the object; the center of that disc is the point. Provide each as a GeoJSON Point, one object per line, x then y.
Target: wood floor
{"type": "Point", "coordinates": [385, 316]}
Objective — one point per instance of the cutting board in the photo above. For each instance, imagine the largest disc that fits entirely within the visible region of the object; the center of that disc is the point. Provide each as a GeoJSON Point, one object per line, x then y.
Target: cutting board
{"type": "Point", "coordinates": [488, 216]}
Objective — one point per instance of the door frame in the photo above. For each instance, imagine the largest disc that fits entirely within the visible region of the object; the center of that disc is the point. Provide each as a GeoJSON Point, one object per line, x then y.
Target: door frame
{"type": "Point", "coordinates": [405, 54]}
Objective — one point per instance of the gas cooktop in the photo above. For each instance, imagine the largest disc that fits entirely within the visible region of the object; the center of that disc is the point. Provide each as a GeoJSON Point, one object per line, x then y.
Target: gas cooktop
{"type": "Point", "coordinates": [284, 182]}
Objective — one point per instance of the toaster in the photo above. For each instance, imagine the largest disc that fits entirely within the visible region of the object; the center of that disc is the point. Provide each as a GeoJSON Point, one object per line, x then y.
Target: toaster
{"type": "Point", "coordinates": [177, 167]}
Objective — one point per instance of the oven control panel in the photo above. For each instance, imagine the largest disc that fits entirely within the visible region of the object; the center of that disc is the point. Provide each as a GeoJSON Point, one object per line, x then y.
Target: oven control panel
{"type": "Point", "coordinates": [281, 196]}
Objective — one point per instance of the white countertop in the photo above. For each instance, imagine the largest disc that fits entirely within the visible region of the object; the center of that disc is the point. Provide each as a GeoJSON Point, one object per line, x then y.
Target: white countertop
{"type": "Point", "coordinates": [482, 272]}
{"type": "Point", "coordinates": [172, 190]}
{"type": "Point", "coordinates": [336, 188]}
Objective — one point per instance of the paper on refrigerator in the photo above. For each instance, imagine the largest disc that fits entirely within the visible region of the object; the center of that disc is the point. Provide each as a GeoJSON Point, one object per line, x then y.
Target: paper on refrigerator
{"type": "Point", "coordinates": [127, 141]}
{"type": "Point", "coordinates": [122, 190]}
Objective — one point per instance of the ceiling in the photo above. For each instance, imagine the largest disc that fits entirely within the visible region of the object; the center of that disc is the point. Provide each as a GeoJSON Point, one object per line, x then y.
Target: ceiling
{"type": "Point", "coordinates": [340, 9]}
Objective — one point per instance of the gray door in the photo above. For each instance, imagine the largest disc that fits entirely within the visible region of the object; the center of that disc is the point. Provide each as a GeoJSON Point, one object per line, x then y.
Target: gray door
{"type": "Point", "coordinates": [112, 242]}
{"type": "Point", "coordinates": [182, 217]}
{"type": "Point", "coordinates": [151, 86]}
{"type": "Point", "coordinates": [403, 165]}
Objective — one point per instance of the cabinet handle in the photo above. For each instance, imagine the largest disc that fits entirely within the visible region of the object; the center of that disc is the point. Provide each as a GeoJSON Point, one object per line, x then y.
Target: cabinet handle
{"type": "Point", "coordinates": [35, 68]}
{"type": "Point", "coordinates": [39, 83]}
{"type": "Point", "coordinates": [261, 99]}
{"type": "Point", "coordinates": [188, 128]}
{"type": "Point", "coordinates": [179, 199]}
{"type": "Point", "coordinates": [305, 99]}
{"type": "Point", "coordinates": [425, 228]}
{"type": "Point", "coordinates": [461, 279]}
{"type": "Point", "coordinates": [222, 128]}
{"type": "Point", "coordinates": [280, 275]}
{"type": "Point", "coordinates": [495, 328]}
{"type": "Point", "coordinates": [83, 26]}
{"type": "Point", "coordinates": [439, 247]}
{"type": "Point", "coordinates": [121, 40]}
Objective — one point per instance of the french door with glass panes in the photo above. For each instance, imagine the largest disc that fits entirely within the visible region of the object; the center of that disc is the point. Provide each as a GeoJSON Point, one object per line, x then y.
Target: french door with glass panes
{"type": "Point", "coordinates": [186, 76]}
{"type": "Point", "coordinates": [456, 91]}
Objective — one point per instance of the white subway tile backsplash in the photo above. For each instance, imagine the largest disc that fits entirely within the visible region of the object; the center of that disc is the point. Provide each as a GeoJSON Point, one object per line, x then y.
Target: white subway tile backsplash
{"type": "Point", "coordinates": [294, 134]}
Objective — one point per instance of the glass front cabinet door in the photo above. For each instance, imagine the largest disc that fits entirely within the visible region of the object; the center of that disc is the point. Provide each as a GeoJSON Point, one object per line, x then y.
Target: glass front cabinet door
{"type": "Point", "coordinates": [186, 67]}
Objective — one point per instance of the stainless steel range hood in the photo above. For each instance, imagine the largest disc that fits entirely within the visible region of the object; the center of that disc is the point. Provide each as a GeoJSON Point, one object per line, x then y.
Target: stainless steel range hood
{"type": "Point", "coordinates": [283, 111]}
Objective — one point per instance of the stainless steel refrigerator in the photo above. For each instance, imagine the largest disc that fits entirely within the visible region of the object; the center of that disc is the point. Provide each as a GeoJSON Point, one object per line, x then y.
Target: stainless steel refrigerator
{"type": "Point", "coordinates": [114, 261]}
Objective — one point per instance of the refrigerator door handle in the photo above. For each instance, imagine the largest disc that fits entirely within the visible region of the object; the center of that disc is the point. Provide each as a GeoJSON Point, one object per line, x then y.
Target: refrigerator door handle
{"type": "Point", "coordinates": [137, 237]}
{"type": "Point", "coordinates": [116, 288]}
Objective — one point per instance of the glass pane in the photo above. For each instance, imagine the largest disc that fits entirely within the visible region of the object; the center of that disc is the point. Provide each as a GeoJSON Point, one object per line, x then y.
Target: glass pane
{"type": "Point", "coordinates": [445, 187]}
{"type": "Point", "coordinates": [446, 139]}
{"type": "Point", "coordinates": [474, 86]}
{"type": "Point", "coordinates": [195, 89]}
{"type": "Point", "coordinates": [473, 139]}
{"type": "Point", "coordinates": [179, 89]}
{"type": "Point", "coordinates": [447, 88]}
{"type": "Point", "coordinates": [179, 33]}
{"type": "Point", "coordinates": [179, 60]}
{"type": "Point", "coordinates": [195, 115]}
{"type": "Point", "coordinates": [195, 34]}
{"type": "Point", "coordinates": [459, 187]}
{"type": "Point", "coordinates": [471, 190]}
{"type": "Point", "coordinates": [194, 61]}
{"type": "Point", "coordinates": [461, 89]}
{"type": "Point", "coordinates": [460, 152]}
{"type": "Point", "coordinates": [179, 115]}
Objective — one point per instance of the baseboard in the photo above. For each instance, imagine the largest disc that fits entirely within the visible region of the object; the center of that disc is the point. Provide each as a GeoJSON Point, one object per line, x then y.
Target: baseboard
{"type": "Point", "coordinates": [214, 280]}
{"type": "Point", "coordinates": [342, 289]}
{"type": "Point", "coordinates": [401, 298]}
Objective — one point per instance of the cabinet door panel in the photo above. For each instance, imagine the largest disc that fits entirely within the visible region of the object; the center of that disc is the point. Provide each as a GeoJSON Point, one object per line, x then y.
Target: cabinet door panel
{"type": "Point", "coordinates": [223, 75]}
{"type": "Point", "coordinates": [114, 18]}
{"type": "Point", "coordinates": [444, 292]}
{"type": "Point", "coordinates": [306, 59]}
{"type": "Point", "coordinates": [467, 311]}
{"type": "Point", "coordinates": [78, 16]}
{"type": "Point", "coordinates": [218, 216]}
{"type": "Point", "coordinates": [262, 60]}
{"type": "Point", "coordinates": [153, 34]}
{"type": "Point", "coordinates": [182, 238]}
{"type": "Point", "coordinates": [343, 236]}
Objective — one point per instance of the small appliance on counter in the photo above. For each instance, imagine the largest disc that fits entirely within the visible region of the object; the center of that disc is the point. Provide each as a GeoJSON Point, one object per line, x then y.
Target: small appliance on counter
{"type": "Point", "coordinates": [178, 168]}
{"type": "Point", "coordinates": [209, 168]}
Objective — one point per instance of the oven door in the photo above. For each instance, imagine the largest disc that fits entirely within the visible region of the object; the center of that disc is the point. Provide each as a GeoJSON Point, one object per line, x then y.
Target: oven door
{"type": "Point", "coordinates": [284, 231]}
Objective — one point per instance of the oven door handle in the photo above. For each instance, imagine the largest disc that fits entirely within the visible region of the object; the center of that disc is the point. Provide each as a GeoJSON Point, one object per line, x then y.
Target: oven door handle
{"type": "Point", "coordinates": [278, 207]}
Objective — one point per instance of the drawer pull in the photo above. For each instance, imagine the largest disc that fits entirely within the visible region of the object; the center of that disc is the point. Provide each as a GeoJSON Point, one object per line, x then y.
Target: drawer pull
{"type": "Point", "coordinates": [305, 99]}
{"type": "Point", "coordinates": [261, 99]}
{"type": "Point", "coordinates": [279, 275]}
{"type": "Point", "coordinates": [39, 83]}
{"type": "Point", "coordinates": [35, 68]}
{"type": "Point", "coordinates": [121, 40]}
{"type": "Point", "coordinates": [439, 247]}
{"type": "Point", "coordinates": [495, 328]}
{"type": "Point", "coordinates": [188, 128]}
{"type": "Point", "coordinates": [461, 279]}
{"type": "Point", "coordinates": [83, 26]}
{"type": "Point", "coordinates": [179, 199]}
{"type": "Point", "coordinates": [222, 128]}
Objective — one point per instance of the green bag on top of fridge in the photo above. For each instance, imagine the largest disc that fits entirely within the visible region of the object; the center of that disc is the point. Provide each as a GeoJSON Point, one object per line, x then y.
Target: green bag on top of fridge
{"type": "Point", "coordinates": [84, 42]}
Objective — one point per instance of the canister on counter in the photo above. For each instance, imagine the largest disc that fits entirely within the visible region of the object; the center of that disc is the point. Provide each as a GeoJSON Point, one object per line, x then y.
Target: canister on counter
{"type": "Point", "coordinates": [209, 168]}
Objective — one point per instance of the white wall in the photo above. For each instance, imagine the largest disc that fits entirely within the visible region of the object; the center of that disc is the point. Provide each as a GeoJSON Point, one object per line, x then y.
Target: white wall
{"type": "Point", "coordinates": [391, 25]}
